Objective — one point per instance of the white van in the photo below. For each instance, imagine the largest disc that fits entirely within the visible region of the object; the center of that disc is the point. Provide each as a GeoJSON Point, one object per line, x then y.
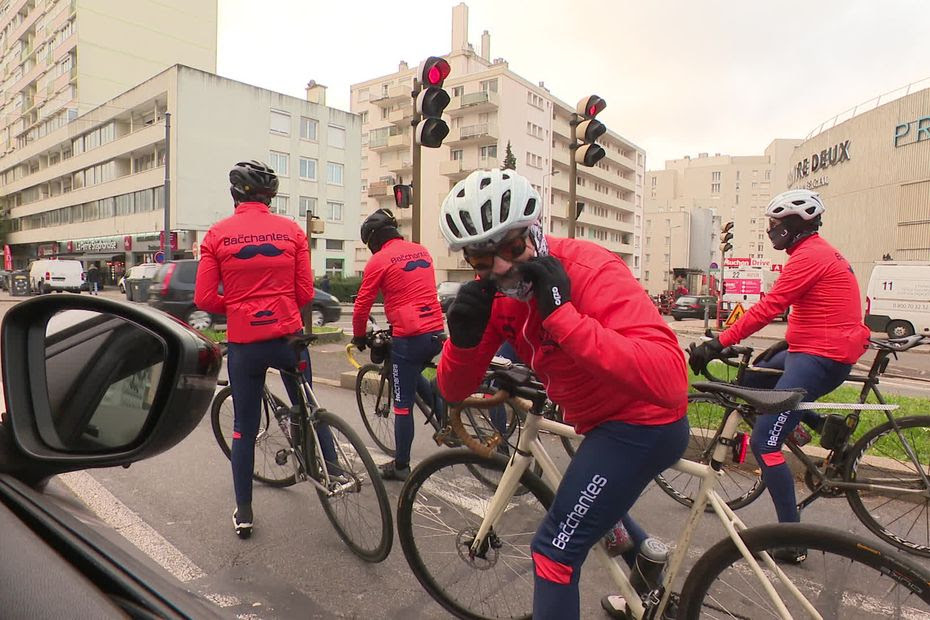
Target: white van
{"type": "Point", "coordinates": [47, 275]}
{"type": "Point", "coordinates": [897, 300]}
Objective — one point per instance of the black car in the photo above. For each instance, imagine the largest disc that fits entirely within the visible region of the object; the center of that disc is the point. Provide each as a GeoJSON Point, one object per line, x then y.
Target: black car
{"type": "Point", "coordinates": [692, 307]}
{"type": "Point", "coordinates": [90, 382]}
{"type": "Point", "coordinates": [446, 291]}
{"type": "Point", "coordinates": [172, 291]}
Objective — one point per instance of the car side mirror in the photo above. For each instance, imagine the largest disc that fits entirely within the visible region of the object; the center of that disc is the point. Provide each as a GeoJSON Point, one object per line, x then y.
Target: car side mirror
{"type": "Point", "coordinates": [93, 382]}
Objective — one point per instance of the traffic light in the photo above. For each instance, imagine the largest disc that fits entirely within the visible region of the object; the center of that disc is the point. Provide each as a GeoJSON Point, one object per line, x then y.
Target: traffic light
{"type": "Point", "coordinates": [587, 152]}
{"type": "Point", "coordinates": [431, 101]}
{"type": "Point", "coordinates": [725, 237]}
{"type": "Point", "coordinates": [403, 196]}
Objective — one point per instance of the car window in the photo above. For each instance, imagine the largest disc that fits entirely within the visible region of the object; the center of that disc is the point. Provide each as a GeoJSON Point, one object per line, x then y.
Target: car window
{"type": "Point", "coordinates": [685, 299]}
{"type": "Point", "coordinates": [186, 272]}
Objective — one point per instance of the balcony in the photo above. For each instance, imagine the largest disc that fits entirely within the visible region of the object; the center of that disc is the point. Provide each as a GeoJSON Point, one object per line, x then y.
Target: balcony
{"type": "Point", "coordinates": [473, 102]}
{"type": "Point", "coordinates": [402, 116]}
{"type": "Point", "coordinates": [395, 94]}
{"type": "Point", "coordinates": [402, 167]}
{"type": "Point", "coordinates": [482, 133]}
{"type": "Point", "coordinates": [379, 189]}
{"type": "Point", "coordinates": [388, 139]}
{"type": "Point", "coordinates": [458, 169]}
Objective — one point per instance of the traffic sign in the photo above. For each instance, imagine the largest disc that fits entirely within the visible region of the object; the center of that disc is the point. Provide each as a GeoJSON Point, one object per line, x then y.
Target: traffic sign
{"type": "Point", "coordinates": [735, 315]}
{"type": "Point", "coordinates": [159, 257]}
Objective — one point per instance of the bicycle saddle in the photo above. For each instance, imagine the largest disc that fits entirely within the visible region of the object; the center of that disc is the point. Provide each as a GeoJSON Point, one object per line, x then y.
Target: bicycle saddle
{"type": "Point", "coordinates": [300, 341]}
{"type": "Point", "coordinates": [763, 401]}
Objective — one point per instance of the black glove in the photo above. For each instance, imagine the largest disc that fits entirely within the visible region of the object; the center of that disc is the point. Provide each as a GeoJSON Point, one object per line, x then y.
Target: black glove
{"type": "Point", "coordinates": [360, 342]}
{"type": "Point", "coordinates": [772, 351]}
{"type": "Point", "coordinates": [702, 354]}
{"type": "Point", "coordinates": [550, 283]}
{"type": "Point", "coordinates": [469, 313]}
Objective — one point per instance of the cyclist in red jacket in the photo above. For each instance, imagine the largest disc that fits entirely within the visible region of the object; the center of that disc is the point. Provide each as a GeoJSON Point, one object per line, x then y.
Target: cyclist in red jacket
{"type": "Point", "coordinates": [825, 337]}
{"type": "Point", "coordinates": [403, 272]}
{"type": "Point", "coordinates": [263, 263]}
{"type": "Point", "coordinates": [574, 312]}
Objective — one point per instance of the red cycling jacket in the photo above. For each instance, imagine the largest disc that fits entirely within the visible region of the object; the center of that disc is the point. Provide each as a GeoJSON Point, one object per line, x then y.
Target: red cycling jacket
{"type": "Point", "coordinates": [263, 263]}
{"type": "Point", "coordinates": [605, 355]}
{"type": "Point", "coordinates": [403, 272]}
{"type": "Point", "coordinates": [826, 312]}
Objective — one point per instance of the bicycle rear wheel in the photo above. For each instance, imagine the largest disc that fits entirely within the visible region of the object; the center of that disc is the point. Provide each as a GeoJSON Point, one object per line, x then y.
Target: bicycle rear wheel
{"type": "Point", "coordinates": [375, 404]}
{"type": "Point", "coordinates": [740, 484]}
{"type": "Point", "coordinates": [842, 577]}
{"type": "Point", "coordinates": [901, 518]}
{"type": "Point", "coordinates": [438, 514]}
{"type": "Point", "coordinates": [357, 504]}
{"type": "Point", "coordinates": [268, 442]}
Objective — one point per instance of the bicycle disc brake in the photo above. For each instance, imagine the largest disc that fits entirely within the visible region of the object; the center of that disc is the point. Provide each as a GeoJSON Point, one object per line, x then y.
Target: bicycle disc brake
{"type": "Point", "coordinates": [487, 554]}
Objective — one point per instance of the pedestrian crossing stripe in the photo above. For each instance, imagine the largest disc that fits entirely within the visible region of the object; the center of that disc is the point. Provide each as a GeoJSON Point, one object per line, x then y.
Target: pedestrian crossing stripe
{"type": "Point", "coordinates": [735, 315]}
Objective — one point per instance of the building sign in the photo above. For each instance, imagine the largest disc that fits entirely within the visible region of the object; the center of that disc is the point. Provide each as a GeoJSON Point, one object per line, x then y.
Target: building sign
{"type": "Point", "coordinates": [921, 131]}
{"type": "Point", "coordinates": [104, 244]}
{"type": "Point", "coordinates": [815, 182]}
{"type": "Point", "coordinates": [47, 249]}
{"type": "Point", "coordinates": [837, 154]}
{"type": "Point", "coordinates": [732, 262]}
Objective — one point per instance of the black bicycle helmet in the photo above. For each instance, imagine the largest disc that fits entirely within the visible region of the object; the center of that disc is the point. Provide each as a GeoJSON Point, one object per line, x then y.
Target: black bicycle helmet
{"type": "Point", "coordinates": [377, 221]}
{"type": "Point", "coordinates": [253, 181]}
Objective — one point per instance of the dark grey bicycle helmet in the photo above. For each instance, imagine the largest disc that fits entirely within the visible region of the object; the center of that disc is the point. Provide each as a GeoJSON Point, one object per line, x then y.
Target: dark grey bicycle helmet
{"type": "Point", "coordinates": [379, 220]}
{"type": "Point", "coordinates": [253, 181]}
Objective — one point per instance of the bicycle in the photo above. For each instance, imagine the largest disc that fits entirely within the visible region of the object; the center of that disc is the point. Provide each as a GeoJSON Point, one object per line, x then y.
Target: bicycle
{"type": "Point", "coordinates": [889, 492]}
{"type": "Point", "coordinates": [468, 545]}
{"type": "Point", "coordinates": [288, 449]}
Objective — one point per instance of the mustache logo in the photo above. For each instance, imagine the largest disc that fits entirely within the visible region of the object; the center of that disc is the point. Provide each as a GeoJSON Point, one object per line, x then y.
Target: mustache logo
{"type": "Point", "coordinates": [416, 264]}
{"type": "Point", "coordinates": [262, 313]}
{"type": "Point", "coordinates": [251, 251]}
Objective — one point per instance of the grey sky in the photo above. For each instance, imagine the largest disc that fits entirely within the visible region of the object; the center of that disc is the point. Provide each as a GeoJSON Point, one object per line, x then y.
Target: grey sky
{"type": "Point", "coordinates": [679, 77]}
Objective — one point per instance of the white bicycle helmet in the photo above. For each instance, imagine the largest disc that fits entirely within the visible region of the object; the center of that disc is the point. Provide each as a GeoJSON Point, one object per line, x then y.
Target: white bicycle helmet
{"type": "Point", "coordinates": [802, 202]}
{"type": "Point", "coordinates": [485, 205]}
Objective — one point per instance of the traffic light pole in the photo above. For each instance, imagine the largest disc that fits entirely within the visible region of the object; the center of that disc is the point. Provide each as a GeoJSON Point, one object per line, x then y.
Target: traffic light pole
{"type": "Point", "coordinates": [572, 180]}
{"type": "Point", "coordinates": [417, 167]}
{"type": "Point", "coordinates": [723, 289]}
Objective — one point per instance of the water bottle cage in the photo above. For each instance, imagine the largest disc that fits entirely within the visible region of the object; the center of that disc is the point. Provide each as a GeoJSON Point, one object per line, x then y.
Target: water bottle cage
{"type": "Point", "coordinates": [651, 602]}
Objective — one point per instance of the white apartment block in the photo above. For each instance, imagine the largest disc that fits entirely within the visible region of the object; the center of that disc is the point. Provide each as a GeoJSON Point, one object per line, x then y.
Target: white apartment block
{"type": "Point", "coordinates": [492, 106]}
{"type": "Point", "coordinates": [677, 242]}
{"type": "Point", "coordinates": [94, 189]}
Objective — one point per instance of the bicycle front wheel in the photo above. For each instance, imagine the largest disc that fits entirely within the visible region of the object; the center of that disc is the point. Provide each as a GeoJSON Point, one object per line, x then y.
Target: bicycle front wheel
{"type": "Point", "coordinates": [356, 502]}
{"type": "Point", "coordinates": [900, 517]}
{"type": "Point", "coordinates": [740, 484]}
{"type": "Point", "coordinates": [439, 511]}
{"type": "Point", "coordinates": [376, 406]}
{"type": "Point", "coordinates": [842, 577]}
{"type": "Point", "coordinates": [269, 441]}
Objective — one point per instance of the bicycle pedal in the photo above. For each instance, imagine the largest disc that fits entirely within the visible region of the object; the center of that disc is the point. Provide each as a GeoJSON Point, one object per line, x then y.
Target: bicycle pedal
{"type": "Point", "coordinates": [280, 457]}
{"type": "Point", "coordinates": [442, 437]}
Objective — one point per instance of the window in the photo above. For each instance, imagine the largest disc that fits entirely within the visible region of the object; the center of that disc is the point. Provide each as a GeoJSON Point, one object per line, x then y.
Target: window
{"type": "Point", "coordinates": [533, 160]}
{"type": "Point", "coordinates": [308, 169]}
{"type": "Point", "coordinates": [308, 128]}
{"type": "Point", "coordinates": [715, 188]}
{"type": "Point", "coordinates": [280, 122]}
{"type": "Point", "coordinates": [334, 211]}
{"type": "Point", "coordinates": [457, 91]}
{"type": "Point", "coordinates": [363, 116]}
{"type": "Point", "coordinates": [456, 155]}
{"type": "Point", "coordinates": [488, 86]}
{"type": "Point", "coordinates": [334, 244]}
{"type": "Point", "coordinates": [278, 204]}
{"type": "Point", "coordinates": [336, 137]}
{"type": "Point", "coordinates": [334, 173]}
{"type": "Point", "coordinates": [534, 130]}
{"type": "Point", "coordinates": [534, 100]}
{"type": "Point", "coordinates": [307, 204]}
{"type": "Point", "coordinates": [334, 267]}
{"type": "Point", "coordinates": [715, 176]}
{"type": "Point", "coordinates": [278, 162]}
{"type": "Point", "coordinates": [489, 151]}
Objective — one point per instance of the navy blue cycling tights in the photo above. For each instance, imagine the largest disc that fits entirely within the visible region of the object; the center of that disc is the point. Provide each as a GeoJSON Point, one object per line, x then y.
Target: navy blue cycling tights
{"type": "Point", "coordinates": [817, 376]}
{"type": "Point", "coordinates": [247, 365]}
{"type": "Point", "coordinates": [409, 356]}
{"type": "Point", "coordinates": [613, 465]}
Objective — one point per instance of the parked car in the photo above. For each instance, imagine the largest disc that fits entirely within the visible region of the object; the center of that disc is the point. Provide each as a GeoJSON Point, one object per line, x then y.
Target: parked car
{"type": "Point", "coordinates": [136, 281]}
{"type": "Point", "coordinates": [172, 290]}
{"type": "Point", "coordinates": [446, 291]}
{"type": "Point", "coordinates": [692, 307]}
{"type": "Point", "coordinates": [108, 385]}
{"type": "Point", "coordinates": [47, 275]}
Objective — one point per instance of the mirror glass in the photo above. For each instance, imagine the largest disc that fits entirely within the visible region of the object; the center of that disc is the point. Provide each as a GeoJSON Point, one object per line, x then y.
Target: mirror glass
{"type": "Point", "coordinates": [102, 374]}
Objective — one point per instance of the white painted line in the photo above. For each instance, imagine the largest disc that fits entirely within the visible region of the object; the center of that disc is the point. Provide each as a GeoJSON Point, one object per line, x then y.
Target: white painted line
{"type": "Point", "coordinates": [118, 516]}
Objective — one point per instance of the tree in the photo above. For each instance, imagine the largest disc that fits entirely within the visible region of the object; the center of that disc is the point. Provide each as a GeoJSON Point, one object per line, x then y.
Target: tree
{"type": "Point", "coordinates": [510, 160]}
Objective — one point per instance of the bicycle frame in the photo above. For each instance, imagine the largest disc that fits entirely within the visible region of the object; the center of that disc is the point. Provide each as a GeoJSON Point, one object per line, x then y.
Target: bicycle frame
{"type": "Point", "coordinates": [530, 446]}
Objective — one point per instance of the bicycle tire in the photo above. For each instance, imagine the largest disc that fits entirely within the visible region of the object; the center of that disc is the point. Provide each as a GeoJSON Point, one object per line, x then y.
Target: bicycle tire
{"type": "Point", "coordinates": [366, 526]}
{"type": "Point", "coordinates": [374, 397]}
{"type": "Point", "coordinates": [883, 513]}
{"type": "Point", "coordinates": [268, 442]}
{"type": "Point", "coordinates": [868, 580]}
{"type": "Point", "coordinates": [740, 485]}
{"type": "Point", "coordinates": [440, 505]}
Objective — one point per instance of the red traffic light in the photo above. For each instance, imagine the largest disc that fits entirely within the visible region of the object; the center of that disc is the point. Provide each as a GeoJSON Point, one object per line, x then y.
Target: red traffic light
{"type": "Point", "coordinates": [590, 106]}
{"type": "Point", "coordinates": [402, 196]}
{"type": "Point", "coordinates": [434, 71]}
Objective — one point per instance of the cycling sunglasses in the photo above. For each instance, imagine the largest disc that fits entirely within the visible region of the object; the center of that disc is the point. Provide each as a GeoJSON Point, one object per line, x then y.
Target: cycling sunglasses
{"type": "Point", "coordinates": [509, 249]}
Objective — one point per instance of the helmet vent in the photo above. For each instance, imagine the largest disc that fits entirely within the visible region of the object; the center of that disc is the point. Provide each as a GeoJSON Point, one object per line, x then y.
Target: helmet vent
{"type": "Point", "coordinates": [486, 222]}
{"type": "Point", "coordinates": [461, 193]}
{"type": "Point", "coordinates": [798, 203]}
{"type": "Point", "coordinates": [452, 226]}
{"type": "Point", "coordinates": [530, 206]}
{"type": "Point", "coordinates": [484, 182]}
{"type": "Point", "coordinates": [505, 206]}
{"type": "Point", "coordinates": [505, 176]}
{"type": "Point", "coordinates": [467, 223]}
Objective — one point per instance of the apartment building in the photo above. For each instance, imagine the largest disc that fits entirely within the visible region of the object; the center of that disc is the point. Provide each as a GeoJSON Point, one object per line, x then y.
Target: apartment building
{"type": "Point", "coordinates": [731, 188]}
{"type": "Point", "coordinates": [94, 189]}
{"type": "Point", "coordinates": [62, 58]}
{"type": "Point", "coordinates": [491, 107]}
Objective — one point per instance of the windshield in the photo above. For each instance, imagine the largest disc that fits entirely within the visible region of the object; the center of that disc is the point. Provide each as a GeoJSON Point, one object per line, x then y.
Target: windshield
{"type": "Point", "coordinates": [685, 299]}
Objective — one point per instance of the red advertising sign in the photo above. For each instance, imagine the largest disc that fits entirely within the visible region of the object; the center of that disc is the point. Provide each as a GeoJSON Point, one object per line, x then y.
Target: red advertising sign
{"type": "Point", "coordinates": [742, 286]}
{"type": "Point", "coordinates": [127, 243]}
{"type": "Point", "coordinates": [7, 258]}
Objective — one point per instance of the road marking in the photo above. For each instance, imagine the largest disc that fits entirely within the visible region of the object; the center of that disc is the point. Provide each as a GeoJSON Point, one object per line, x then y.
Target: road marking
{"type": "Point", "coordinates": [118, 516]}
